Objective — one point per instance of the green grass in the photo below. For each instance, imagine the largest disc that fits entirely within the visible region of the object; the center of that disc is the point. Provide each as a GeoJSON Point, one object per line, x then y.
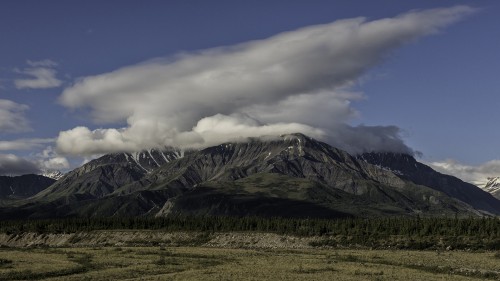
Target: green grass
{"type": "Point", "coordinates": [198, 263]}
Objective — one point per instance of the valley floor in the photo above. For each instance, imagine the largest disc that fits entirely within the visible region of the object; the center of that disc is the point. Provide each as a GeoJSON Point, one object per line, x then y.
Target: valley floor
{"type": "Point", "coordinates": [211, 263]}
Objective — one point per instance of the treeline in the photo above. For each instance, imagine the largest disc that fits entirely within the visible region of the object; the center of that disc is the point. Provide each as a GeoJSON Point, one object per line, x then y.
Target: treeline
{"type": "Point", "coordinates": [487, 228]}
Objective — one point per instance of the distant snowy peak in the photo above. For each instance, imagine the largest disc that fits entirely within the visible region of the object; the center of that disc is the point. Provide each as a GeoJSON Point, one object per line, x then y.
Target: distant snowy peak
{"type": "Point", "coordinates": [493, 182]}
{"type": "Point", "coordinates": [52, 174]}
{"type": "Point", "coordinates": [492, 185]}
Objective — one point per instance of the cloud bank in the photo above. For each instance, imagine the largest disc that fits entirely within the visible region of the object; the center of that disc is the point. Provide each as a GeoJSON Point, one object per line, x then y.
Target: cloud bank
{"type": "Point", "coordinates": [43, 75]}
{"type": "Point", "coordinates": [46, 160]}
{"type": "Point", "coordinates": [13, 165]}
{"type": "Point", "coordinates": [49, 160]}
{"type": "Point", "coordinates": [296, 81]}
{"type": "Point", "coordinates": [473, 174]}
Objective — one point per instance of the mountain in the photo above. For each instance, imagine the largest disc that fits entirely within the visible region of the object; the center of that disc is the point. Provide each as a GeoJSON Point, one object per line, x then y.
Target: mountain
{"type": "Point", "coordinates": [290, 176]}
{"type": "Point", "coordinates": [53, 174]}
{"type": "Point", "coordinates": [21, 187]}
{"type": "Point", "coordinates": [411, 170]}
{"type": "Point", "coordinates": [492, 185]}
{"type": "Point", "coordinates": [102, 176]}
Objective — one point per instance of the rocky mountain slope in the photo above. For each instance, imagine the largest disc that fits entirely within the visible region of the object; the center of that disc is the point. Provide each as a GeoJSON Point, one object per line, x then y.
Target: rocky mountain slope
{"type": "Point", "coordinates": [409, 169]}
{"type": "Point", "coordinates": [102, 176]}
{"type": "Point", "coordinates": [291, 176]}
{"type": "Point", "coordinates": [20, 187]}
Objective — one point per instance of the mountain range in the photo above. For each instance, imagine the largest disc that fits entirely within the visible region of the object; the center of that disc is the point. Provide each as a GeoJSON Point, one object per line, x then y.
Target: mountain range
{"type": "Point", "coordinates": [288, 176]}
{"type": "Point", "coordinates": [24, 186]}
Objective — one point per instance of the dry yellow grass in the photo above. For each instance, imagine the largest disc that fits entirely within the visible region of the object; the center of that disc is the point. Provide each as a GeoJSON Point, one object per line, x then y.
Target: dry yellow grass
{"type": "Point", "coordinates": [197, 263]}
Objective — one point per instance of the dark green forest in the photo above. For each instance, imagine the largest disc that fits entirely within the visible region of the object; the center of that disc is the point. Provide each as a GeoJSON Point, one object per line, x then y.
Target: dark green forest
{"type": "Point", "coordinates": [398, 232]}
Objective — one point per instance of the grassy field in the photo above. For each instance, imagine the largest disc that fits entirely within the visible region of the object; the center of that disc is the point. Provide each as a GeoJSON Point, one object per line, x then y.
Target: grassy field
{"type": "Point", "coordinates": [198, 263]}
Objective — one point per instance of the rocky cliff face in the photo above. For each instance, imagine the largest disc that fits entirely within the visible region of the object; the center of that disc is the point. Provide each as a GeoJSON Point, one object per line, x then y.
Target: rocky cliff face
{"type": "Point", "coordinates": [292, 175]}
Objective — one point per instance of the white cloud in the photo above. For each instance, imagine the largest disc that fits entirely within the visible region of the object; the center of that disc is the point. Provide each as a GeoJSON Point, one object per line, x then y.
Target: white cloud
{"type": "Point", "coordinates": [43, 75]}
{"type": "Point", "coordinates": [12, 119]}
{"type": "Point", "coordinates": [82, 141]}
{"type": "Point", "coordinates": [58, 163]}
{"type": "Point", "coordinates": [473, 174]}
{"type": "Point", "coordinates": [363, 138]}
{"type": "Point", "coordinates": [219, 128]}
{"type": "Point", "coordinates": [46, 160]}
{"type": "Point", "coordinates": [296, 80]}
{"type": "Point", "coordinates": [49, 160]}
{"type": "Point", "coordinates": [13, 165]}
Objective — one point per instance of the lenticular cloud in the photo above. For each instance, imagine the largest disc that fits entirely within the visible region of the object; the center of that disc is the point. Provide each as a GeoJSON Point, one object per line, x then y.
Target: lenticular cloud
{"type": "Point", "coordinates": [296, 81]}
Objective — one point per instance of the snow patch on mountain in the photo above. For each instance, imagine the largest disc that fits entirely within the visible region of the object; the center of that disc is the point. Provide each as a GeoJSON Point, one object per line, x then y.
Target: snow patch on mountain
{"type": "Point", "coordinates": [54, 174]}
{"type": "Point", "coordinates": [149, 160]}
{"type": "Point", "coordinates": [492, 185]}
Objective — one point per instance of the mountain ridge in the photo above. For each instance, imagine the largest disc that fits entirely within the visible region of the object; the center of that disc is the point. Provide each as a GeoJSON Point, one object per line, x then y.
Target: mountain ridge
{"type": "Point", "coordinates": [425, 175]}
{"type": "Point", "coordinates": [21, 187]}
{"type": "Point", "coordinates": [291, 175]}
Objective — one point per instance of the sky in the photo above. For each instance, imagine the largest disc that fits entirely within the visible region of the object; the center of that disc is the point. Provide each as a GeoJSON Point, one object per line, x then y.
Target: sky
{"type": "Point", "coordinates": [82, 78]}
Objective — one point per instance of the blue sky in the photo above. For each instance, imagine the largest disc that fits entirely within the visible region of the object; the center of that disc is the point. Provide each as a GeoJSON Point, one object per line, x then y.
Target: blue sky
{"type": "Point", "coordinates": [440, 91]}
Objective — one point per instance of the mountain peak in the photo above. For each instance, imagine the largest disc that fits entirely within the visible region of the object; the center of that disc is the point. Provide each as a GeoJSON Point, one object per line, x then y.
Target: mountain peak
{"type": "Point", "coordinates": [296, 136]}
{"type": "Point", "coordinates": [53, 174]}
{"type": "Point", "coordinates": [492, 185]}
